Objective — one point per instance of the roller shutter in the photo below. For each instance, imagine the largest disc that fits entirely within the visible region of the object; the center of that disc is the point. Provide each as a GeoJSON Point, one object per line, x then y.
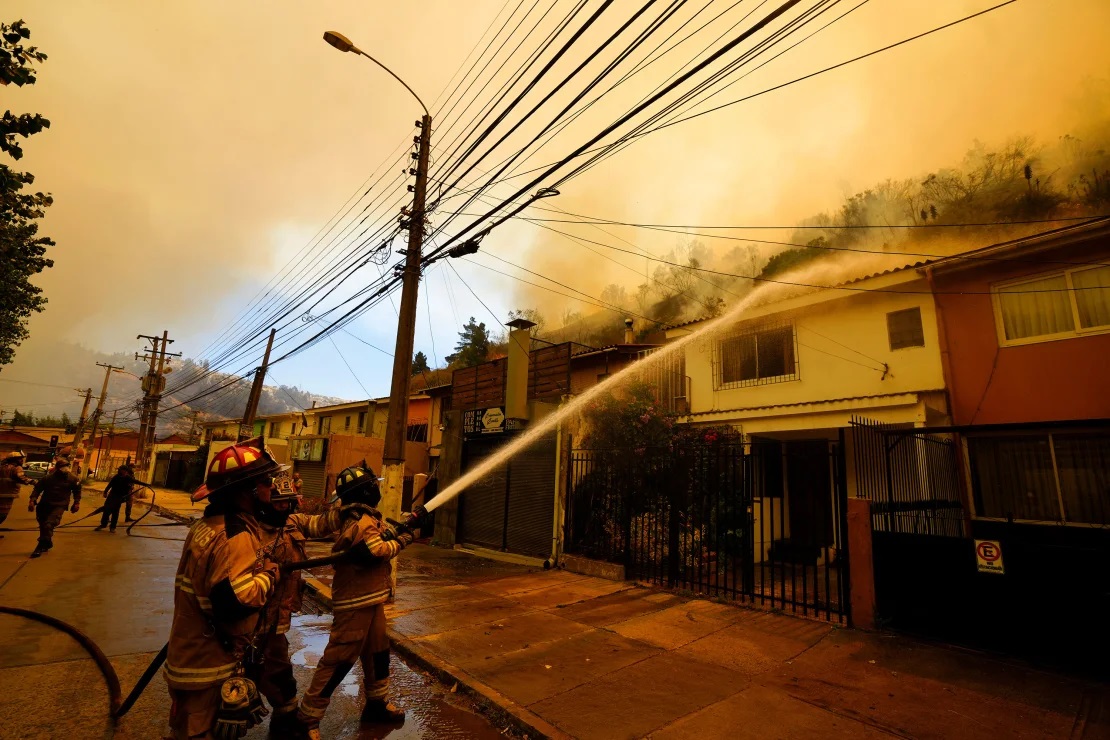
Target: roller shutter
{"type": "Point", "coordinates": [532, 499]}
{"type": "Point", "coordinates": [520, 493]}
{"type": "Point", "coordinates": [312, 476]}
{"type": "Point", "coordinates": [482, 505]}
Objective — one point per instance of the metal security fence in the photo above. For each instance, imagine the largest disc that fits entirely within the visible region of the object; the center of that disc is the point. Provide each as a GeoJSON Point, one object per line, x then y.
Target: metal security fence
{"type": "Point", "coordinates": [758, 522]}
{"type": "Point", "coordinates": [911, 478]}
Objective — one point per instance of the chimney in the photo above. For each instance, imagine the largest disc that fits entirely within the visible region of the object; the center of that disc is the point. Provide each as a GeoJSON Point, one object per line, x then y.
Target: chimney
{"type": "Point", "coordinates": [516, 382]}
{"type": "Point", "coordinates": [629, 335]}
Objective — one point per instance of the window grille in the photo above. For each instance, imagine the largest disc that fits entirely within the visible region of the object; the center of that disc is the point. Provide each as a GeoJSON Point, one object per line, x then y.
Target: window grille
{"type": "Point", "coordinates": [756, 357]}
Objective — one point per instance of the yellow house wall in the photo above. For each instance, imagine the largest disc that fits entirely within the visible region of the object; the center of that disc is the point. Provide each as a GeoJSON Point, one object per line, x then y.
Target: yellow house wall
{"type": "Point", "coordinates": [827, 368]}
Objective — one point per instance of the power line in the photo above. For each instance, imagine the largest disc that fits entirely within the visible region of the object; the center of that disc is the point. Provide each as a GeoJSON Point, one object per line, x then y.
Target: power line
{"type": "Point", "coordinates": [360, 385]}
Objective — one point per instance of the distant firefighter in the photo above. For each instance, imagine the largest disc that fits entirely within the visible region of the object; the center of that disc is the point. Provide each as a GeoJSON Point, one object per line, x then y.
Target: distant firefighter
{"type": "Point", "coordinates": [11, 476]}
{"type": "Point", "coordinates": [118, 490]}
{"type": "Point", "coordinates": [49, 500]}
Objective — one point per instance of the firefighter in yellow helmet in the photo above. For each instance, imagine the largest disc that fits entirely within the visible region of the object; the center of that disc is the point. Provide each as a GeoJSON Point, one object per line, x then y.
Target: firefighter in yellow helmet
{"type": "Point", "coordinates": [359, 591]}
{"type": "Point", "coordinates": [223, 616]}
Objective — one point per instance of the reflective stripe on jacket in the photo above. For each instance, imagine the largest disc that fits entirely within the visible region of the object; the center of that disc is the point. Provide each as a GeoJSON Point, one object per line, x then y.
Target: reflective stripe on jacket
{"type": "Point", "coordinates": [364, 580]}
{"type": "Point", "coordinates": [220, 587]}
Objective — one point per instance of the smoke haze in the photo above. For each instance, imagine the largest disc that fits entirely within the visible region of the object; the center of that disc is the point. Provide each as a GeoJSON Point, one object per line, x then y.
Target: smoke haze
{"type": "Point", "coordinates": [195, 147]}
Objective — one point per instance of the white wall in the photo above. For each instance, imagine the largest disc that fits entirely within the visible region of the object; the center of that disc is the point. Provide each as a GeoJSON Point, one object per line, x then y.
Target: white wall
{"type": "Point", "coordinates": [841, 346]}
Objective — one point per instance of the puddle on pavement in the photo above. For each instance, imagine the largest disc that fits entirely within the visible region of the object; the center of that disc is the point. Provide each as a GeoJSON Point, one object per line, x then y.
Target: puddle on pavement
{"type": "Point", "coordinates": [433, 711]}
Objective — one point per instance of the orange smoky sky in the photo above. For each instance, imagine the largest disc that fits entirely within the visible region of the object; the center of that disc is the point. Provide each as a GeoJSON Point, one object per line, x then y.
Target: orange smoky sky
{"type": "Point", "coordinates": [195, 147]}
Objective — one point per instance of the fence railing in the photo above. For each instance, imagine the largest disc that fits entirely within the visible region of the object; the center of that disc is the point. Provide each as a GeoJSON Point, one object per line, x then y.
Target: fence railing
{"type": "Point", "coordinates": [756, 522]}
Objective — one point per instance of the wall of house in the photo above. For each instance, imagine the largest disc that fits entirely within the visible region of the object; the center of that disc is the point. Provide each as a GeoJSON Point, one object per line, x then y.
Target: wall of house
{"type": "Point", "coordinates": [841, 346]}
{"type": "Point", "coordinates": [1058, 380]}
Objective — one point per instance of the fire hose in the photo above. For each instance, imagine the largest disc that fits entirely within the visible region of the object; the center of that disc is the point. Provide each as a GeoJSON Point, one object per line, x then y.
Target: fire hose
{"type": "Point", "coordinates": [118, 706]}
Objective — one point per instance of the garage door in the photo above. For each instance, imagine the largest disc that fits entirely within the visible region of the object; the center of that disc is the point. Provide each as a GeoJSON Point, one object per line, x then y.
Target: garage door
{"type": "Point", "coordinates": [511, 508]}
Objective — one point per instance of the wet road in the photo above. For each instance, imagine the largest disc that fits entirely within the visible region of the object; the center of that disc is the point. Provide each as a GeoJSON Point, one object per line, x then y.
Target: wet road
{"type": "Point", "coordinates": [119, 590]}
{"type": "Point", "coordinates": [432, 710]}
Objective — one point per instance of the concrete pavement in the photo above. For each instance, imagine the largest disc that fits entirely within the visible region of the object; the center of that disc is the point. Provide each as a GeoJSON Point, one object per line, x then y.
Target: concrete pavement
{"type": "Point", "coordinates": [573, 656]}
{"type": "Point", "coordinates": [119, 590]}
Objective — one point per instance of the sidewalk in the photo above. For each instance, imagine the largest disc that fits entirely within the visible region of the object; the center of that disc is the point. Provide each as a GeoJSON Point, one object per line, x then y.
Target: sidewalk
{"type": "Point", "coordinates": [566, 655]}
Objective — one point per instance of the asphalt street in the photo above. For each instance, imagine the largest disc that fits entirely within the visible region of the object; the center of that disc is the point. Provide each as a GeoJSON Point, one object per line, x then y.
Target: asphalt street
{"type": "Point", "coordinates": [118, 589]}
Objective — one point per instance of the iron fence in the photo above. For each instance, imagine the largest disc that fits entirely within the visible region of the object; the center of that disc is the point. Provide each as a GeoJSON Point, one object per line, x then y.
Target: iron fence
{"type": "Point", "coordinates": [761, 522]}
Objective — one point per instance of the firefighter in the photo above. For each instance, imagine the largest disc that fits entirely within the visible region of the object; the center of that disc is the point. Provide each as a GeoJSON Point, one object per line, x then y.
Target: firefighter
{"type": "Point", "coordinates": [284, 532]}
{"type": "Point", "coordinates": [49, 500]}
{"type": "Point", "coordinates": [224, 609]}
{"type": "Point", "coordinates": [118, 490]}
{"type": "Point", "coordinates": [359, 591]}
{"type": "Point", "coordinates": [11, 476]}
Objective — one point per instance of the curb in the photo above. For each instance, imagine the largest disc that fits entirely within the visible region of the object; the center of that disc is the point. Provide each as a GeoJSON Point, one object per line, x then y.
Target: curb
{"type": "Point", "coordinates": [491, 701]}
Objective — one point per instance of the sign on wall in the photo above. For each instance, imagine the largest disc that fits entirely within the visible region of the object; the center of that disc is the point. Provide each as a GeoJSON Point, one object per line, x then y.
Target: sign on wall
{"type": "Point", "coordinates": [988, 556]}
{"type": "Point", "coordinates": [489, 421]}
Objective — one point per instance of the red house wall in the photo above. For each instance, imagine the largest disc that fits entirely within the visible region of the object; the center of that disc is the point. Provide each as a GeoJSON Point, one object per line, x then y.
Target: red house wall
{"type": "Point", "coordinates": [1060, 380]}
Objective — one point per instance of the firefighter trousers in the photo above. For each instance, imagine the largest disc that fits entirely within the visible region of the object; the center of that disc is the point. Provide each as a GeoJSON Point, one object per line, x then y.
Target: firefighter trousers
{"type": "Point", "coordinates": [356, 635]}
{"type": "Point", "coordinates": [193, 713]}
{"type": "Point", "coordinates": [48, 518]}
{"type": "Point", "coordinates": [274, 677]}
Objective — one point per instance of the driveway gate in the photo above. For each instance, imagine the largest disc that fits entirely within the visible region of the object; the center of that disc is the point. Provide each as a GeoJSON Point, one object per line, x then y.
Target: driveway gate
{"type": "Point", "coordinates": [759, 522]}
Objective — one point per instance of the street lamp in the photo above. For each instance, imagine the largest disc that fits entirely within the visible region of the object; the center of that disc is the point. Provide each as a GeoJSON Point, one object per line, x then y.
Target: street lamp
{"type": "Point", "coordinates": [393, 457]}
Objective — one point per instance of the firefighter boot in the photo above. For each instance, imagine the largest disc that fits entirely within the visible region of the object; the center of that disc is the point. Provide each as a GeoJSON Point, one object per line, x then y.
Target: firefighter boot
{"type": "Point", "coordinates": [286, 726]}
{"type": "Point", "coordinates": [39, 551]}
{"type": "Point", "coordinates": [381, 712]}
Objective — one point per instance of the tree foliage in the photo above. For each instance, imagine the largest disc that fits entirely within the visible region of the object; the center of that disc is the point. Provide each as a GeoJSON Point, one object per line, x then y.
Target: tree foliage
{"type": "Point", "coordinates": [420, 363]}
{"type": "Point", "coordinates": [22, 250]}
{"type": "Point", "coordinates": [473, 346]}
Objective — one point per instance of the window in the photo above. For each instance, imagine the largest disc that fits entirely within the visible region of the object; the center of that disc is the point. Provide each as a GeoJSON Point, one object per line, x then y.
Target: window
{"type": "Point", "coordinates": [273, 429]}
{"type": "Point", "coordinates": [324, 425]}
{"type": "Point", "coordinates": [361, 422]}
{"type": "Point", "coordinates": [764, 356]}
{"type": "Point", "coordinates": [1056, 306]}
{"type": "Point", "coordinates": [1042, 477]}
{"type": "Point", "coordinates": [292, 428]}
{"type": "Point", "coordinates": [347, 423]}
{"type": "Point", "coordinates": [903, 328]}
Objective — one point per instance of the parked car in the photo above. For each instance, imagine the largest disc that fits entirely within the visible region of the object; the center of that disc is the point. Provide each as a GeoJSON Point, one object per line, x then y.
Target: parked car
{"type": "Point", "coordinates": [36, 470]}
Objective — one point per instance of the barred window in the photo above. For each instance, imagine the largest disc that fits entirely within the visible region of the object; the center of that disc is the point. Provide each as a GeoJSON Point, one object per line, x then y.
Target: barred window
{"type": "Point", "coordinates": [757, 357]}
{"type": "Point", "coordinates": [904, 328]}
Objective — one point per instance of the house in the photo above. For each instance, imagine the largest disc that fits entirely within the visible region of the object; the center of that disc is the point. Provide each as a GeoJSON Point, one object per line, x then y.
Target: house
{"type": "Point", "coordinates": [1024, 332]}
{"type": "Point", "coordinates": [517, 507]}
{"type": "Point", "coordinates": [344, 434]}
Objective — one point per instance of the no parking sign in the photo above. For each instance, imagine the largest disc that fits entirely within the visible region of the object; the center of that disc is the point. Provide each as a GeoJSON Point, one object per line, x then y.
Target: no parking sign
{"type": "Point", "coordinates": [988, 556]}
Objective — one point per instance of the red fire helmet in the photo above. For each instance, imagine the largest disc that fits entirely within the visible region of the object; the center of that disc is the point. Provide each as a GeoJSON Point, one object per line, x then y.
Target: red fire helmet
{"type": "Point", "coordinates": [238, 464]}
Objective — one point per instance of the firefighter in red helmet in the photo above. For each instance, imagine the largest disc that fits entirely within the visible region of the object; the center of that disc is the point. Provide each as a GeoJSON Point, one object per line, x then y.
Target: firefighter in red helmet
{"type": "Point", "coordinates": [226, 580]}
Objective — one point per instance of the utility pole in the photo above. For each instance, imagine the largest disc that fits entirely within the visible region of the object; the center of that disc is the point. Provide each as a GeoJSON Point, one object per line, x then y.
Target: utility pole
{"type": "Point", "coordinates": [193, 427]}
{"type": "Point", "coordinates": [111, 440]}
{"type": "Point", "coordinates": [100, 402]}
{"type": "Point", "coordinates": [80, 433]}
{"type": "Point", "coordinates": [246, 428]}
{"type": "Point", "coordinates": [393, 458]}
{"type": "Point", "coordinates": [152, 384]}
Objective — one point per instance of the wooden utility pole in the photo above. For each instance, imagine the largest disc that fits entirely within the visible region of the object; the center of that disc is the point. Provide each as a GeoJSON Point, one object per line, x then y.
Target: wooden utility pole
{"type": "Point", "coordinates": [80, 433]}
{"type": "Point", "coordinates": [246, 428]}
{"type": "Point", "coordinates": [152, 384]}
{"type": "Point", "coordinates": [100, 402]}
{"type": "Point", "coordinates": [393, 458]}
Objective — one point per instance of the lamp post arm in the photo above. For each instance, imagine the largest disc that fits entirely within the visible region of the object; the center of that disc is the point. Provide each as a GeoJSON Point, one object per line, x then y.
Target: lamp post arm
{"type": "Point", "coordinates": [390, 71]}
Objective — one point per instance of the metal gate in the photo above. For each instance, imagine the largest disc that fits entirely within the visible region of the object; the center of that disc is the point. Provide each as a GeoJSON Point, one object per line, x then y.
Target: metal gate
{"type": "Point", "coordinates": [1049, 602]}
{"type": "Point", "coordinates": [761, 522]}
{"type": "Point", "coordinates": [511, 508]}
